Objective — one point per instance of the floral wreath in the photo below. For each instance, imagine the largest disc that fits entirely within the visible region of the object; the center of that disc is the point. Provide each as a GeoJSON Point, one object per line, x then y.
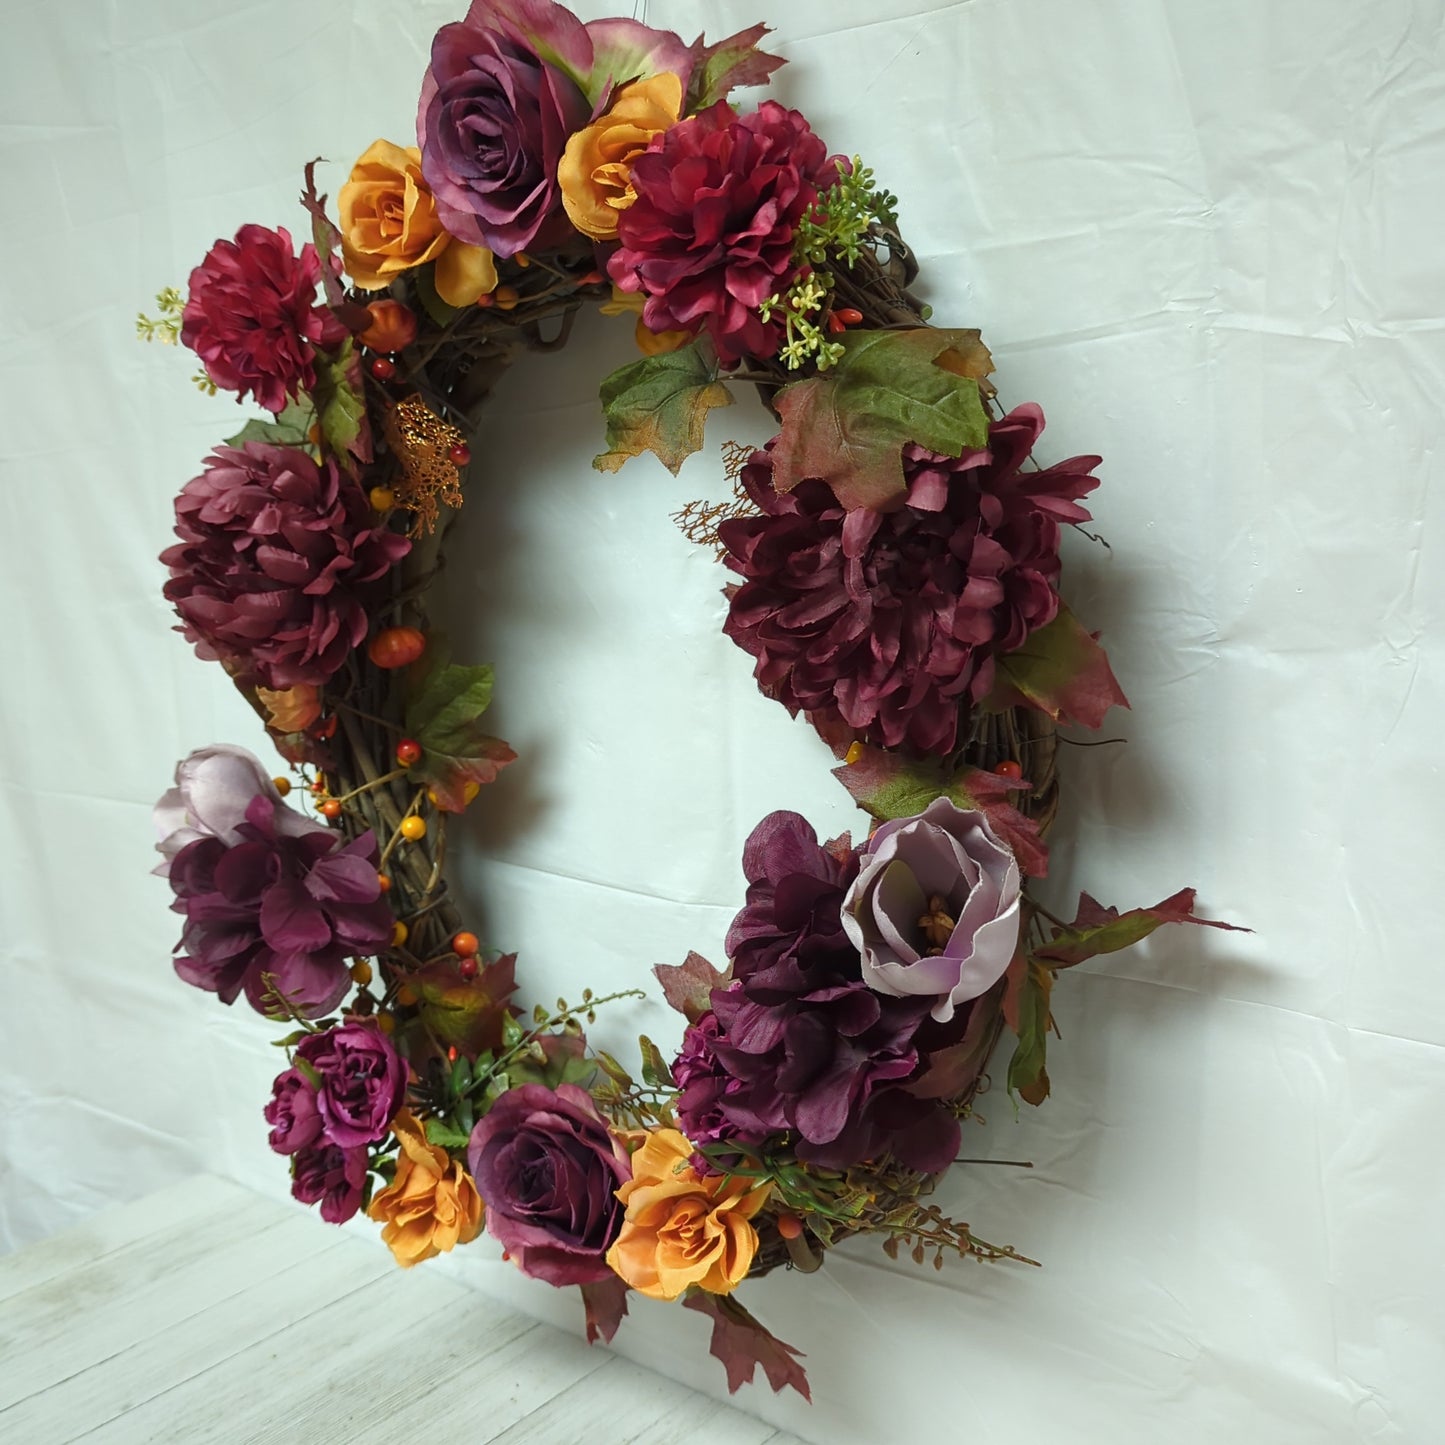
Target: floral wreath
{"type": "Point", "coordinates": [897, 555]}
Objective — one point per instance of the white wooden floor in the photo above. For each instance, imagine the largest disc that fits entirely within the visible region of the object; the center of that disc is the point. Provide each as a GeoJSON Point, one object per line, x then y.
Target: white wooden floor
{"type": "Point", "coordinates": [208, 1313]}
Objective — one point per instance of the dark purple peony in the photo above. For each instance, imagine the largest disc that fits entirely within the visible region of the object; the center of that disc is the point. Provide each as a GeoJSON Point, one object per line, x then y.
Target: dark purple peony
{"type": "Point", "coordinates": [704, 1089]}
{"type": "Point", "coordinates": [710, 236]}
{"type": "Point", "coordinates": [492, 125]}
{"type": "Point", "coordinates": [330, 1176]}
{"type": "Point", "coordinates": [889, 623]}
{"type": "Point", "coordinates": [363, 1081]}
{"type": "Point", "coordinates": [548, 1168]}
{"type": "Point", "coordinates": [807, 1046]}
{"type": "Point", "coordinates": [292, 1113]}
{"type": "Point", "coordinates": [292, 906]}
{"type": "Point", "coordinates": [277, 562]}
{"type": "Point", "coordinates": [253, 319]}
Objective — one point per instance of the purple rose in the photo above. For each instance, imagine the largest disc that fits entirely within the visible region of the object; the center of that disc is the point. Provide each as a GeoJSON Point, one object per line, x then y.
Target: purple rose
{"type": "Point", "coordinates": [214, 787]}
{"type": "Point", "coordinates": [549, 1168]}
{"type": "Point", "coordinates": [935, 909]}
{"type": "Point", "coordinates": [292, 1113]}
{"type": "Point", "coordinates": [332, 1177]}
{"type": "Point", "coordinates": [363, 1081]}
{"type": "Point", "coordinates": [277, 911]}
{"type": "Point", "coordinates": [492, 125]}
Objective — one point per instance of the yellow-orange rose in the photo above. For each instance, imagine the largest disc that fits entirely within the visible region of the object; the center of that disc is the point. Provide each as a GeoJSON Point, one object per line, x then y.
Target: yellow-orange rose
{"type": "Point", "coordinates": [595, 173]}
{"type": "Point", "coordinates": [431, 1205]}
{"type": "Point", "coordinates": [389, 224]}
{"type": "Point", "coordinates": [682, 1228]}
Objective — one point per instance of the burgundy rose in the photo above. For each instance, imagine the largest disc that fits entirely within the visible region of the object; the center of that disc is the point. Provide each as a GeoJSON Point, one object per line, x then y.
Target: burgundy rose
{"type": "Point", "coordinates": [253, 319]}
{"type": "Point", "coordinates": [890, 622]}
{"type": "Point", "coordinates": [492, 125]}
{"type": "Point", "coordinates": [710, 236]}
{"type": "Point", "coordinates": [362, 1081]}
{"type": "Point", "coordinates": [331, 1176]}
{"type": "Point", "coordinates": [548, 1168]}
{"type": "Point", "coordinates": [277, 563]}
{"type": "Point", "coordinates": [292, 1113]}
{"type": "Point", "coordinates": [277, 909]}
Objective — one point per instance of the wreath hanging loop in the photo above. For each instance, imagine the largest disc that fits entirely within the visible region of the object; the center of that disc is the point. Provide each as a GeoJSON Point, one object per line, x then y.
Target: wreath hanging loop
{"type": "Point", "coordinates": [894, 554]}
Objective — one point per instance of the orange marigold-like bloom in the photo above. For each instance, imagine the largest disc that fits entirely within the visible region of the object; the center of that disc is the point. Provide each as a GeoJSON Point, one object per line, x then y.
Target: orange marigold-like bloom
{"type": "Point", "coordinates": [432, 1205]}
{"type": "Point", "coordinates": [683, 1228]}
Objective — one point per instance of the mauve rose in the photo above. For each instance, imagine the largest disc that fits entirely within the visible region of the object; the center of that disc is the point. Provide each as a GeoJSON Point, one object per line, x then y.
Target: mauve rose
{"type": "Point", "coordinates": [548, 1168]}
{"type": "Point", "coordinates": [292, 1114]}
{"type": "Point", "coordinates": [330, 1176]}
{"type": "Point", "coordinates": [214, 787]}
{"type": "Point", "coordinates": [934, 910]}
{"type": "Point", "coordinates": [278, 562]}
{"type": "Point", "coordinates": [492, 125]}
{"type": "Point", "coordinates": [362, 1083]}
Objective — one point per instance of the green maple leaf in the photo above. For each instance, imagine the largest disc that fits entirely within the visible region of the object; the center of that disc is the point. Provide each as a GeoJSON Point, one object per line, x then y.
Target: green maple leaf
{"type": "Point", "coordinates": [659, 404]}
{"type": "Point", "coordinates": [848, 428]}
{"type": "Point", "coordinates": [444, 717]}
{"type": "Point", "coordinates": [341, 403]}
{"type": "Point", "coordinates": [290, 428]}
{"type": "Point", "coordinates": [1062, 669]}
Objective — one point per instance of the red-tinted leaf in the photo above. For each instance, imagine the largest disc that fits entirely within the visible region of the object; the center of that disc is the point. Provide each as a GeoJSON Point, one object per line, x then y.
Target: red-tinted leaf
{"type": "Point", "coordinates": [327, 240]}
{"type": "Point", "coordinates": [888, 785]}
{"type": "Point", "coordinates": [467, 1012]}
{"type": "Point", "coordinates": [606, 1305]}
{"type": "Point", "coordinates": [564, 1060]}
{"type": "Point", "coordinates": [950, 1073]}
{"type": "Point", "coordinates": [688, 986]}
{"type": "Point", "coordinates": [741, 1343]}
{"type": "Point", "coordinates": [443, 715]}
{"type": "Point", "coordinates": [731, 64]}
{"type": "Point", "coordinates": [1099, 930]}
{"type": "Point", "coordinates": [1027, 986]}
{"type": "Point", "coordinates": [1062, 670]}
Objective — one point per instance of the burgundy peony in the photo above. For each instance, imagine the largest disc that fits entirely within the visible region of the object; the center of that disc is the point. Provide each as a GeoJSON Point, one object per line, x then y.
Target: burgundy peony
{"type": "Point", "coordinates": [292, 906]}
{"type": "Point", "coordinates": [492, 125]}
{"type": "Point", "coordinates": [292, 1113]}
{"type": "Point", "coordinates": [704, 1089]}
{"type": "Point", "coordinates": [331, 1176]}
{"type": "Point", "coordinates": [805, 1044]}
{"type": "Point", "coordinates": [276, 564]}
{"type": "Point", "coordinates": [890, 623]}
{"type": "Point", "coordinates": [548, 1169]}
{"type": "Point", "coordinates": [253, 319]}
{"type": "Point", "coordinates": [710, 236]}
{"type": "Point", "coordinates": [362, 1081]}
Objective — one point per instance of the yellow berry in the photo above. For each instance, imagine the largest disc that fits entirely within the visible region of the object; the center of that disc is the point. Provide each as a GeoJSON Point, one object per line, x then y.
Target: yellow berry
{"type": "Point", "coordinates": [406, 995]}
{"type": "Point", "coordinates": [383, 499]}
{"type": "Point", "coordinates": [398, 933]}
{"type": "Point", "coordinates": [522, 259]}
{"type": "Point", "coordinates": [283, 785]}
{"type": "Point", "coordinates": [413, 828]}
{"type": "Point", "coordinates": [361, 973]}
{"type": "Point", "coordinates": [386, 1023]}
{"type": "Point", "coordinates": [506, 297]}
{"type": "Point", "coordinates": [855, 752]}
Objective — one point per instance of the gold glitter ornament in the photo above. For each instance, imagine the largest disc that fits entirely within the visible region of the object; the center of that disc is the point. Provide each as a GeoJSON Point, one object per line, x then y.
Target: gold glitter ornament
{"type": "Point", "coordinates": [422, 444]}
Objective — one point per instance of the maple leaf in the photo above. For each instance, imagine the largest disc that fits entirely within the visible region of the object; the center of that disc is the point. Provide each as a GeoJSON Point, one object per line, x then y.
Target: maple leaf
{"type": "Point", "coordinates": [1099, 930]}
{"type": "Point", "coordinates": [950, 1072]}
{"type": "Point", "coordinates": [659, 404]}
{"type": "Point", "coordinates": [1062, 670]}
{"type": "Point", "coordinates": [742, 1344]}
{"type": "Point", "coordinates": [848, 428]}
{"type": "Point", "coordinates": [467, 1012]}
{"type": "Point", "coordinates": [443, 715]}
{"type": "Point", "coordinates": [605, 1303]}
{"type": "Point", "coordinates": [340, 400]}
{"type": "Point", "coordinates": [1027, 987]}
{"type": "Point", "coordinates": [688, 986]}
{"type": "Point", "coordinates": [731, 64]}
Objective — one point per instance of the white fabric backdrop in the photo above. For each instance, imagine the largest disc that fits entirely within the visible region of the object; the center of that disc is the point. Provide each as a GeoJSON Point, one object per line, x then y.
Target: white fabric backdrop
{"type": "Point", "coordinates": [1206, 239]}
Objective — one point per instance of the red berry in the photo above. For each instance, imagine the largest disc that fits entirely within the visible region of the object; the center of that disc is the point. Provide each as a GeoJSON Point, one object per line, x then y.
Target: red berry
{"type": "Point", "coordinates": [408, 752]}
{"type": "Point", "coordinates": [460, 454]}
{"type": "Point", "coordinates": [451, 1053]}
{"type": "Point", "coordinates": [835, 323]}
{"type": "Point", "coordinates": [1009, 769]}
{"type": "Point", "coordinates": [468, 968]}
{"type": "Point", "coordinates": [381, 368]}
{"type": "Point", "coordinates": [464, 945]}
{"type": "Point", "coordinates": [396, 646]}
{"type": "Point", "coordinates": [789, 1226]}
{"type": "Point", "coordinates": [848, 315]}
{"type": "Point", "coordinates": [331, 808]}
{"type": "Point", "coordinates": [383, 882]}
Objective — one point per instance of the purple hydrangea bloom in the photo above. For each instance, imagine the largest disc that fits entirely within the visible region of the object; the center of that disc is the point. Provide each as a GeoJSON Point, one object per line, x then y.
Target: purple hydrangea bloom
{"type": "Point", "coordinates": [363, 1081]}
{"type": "Point", "coordinates": [291, 907]}
{"type": "Point", "coordinates": [704, 1088]}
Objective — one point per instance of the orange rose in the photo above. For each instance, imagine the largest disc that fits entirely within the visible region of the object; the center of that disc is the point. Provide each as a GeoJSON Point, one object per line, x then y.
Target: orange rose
{"type": "Point", "coordinates": [389, 224]}
{"type": "Point", "coordinates": [681, 1228]}
{"type": "Point", "coordinates": [431, 1205]}
{"type": "Point", "coordinates": [595, 173]}
{"type": "Point", "coordinates": [293, 709]}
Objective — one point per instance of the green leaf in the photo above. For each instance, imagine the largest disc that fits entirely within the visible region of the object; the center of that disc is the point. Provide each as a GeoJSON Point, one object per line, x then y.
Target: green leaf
{"type": "Point", "coordinates": [659, 404]}
{"type": "Point", "coordinates": [1099, 930]}
{"type": "Point", "coordinates": [470, 1013]}
{"type": "Point", "coordinates": [889, 786]}
{"type": "Point", "coordinates": [1062, 670]}
{"type": "Point", "coordinates": [308, 1071]}
{"type": "Point", "coordinates": [654, 1067]}
{"type": "Point", "coordinates": [341, 404]}
{"type": "Point", "coordinates": [443, 716]}
{"type": "Point", "coordinates": [439, 1132]}
{"type": "Point", "coordinates": [1026, 1011]}
{"type": "Point", "coordinates": [848, 428]}
{"type": "Point", "coordinates": [442, 312]}
{"type": "Point", "coordinates": [563, 1059]}
{"type": "Point", "coordinates": [292, 428]}
{"type": "Point", "coordinates": [732, 63]}
{"type": "Point", "coordinates": [512, 1033]}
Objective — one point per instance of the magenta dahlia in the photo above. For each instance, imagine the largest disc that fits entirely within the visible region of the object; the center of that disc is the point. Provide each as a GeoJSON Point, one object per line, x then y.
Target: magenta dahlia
{"type": "Point", "coordinates": [710, 236]}
{"type": "Point", "coordinates": [890, 623]}
{"type": "Point", "coordinates": [253, 319]}
{"type": "Point", "coordinates": [277, 561]}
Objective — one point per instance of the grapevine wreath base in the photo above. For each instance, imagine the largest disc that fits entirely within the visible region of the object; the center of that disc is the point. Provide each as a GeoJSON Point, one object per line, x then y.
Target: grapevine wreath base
{"type": "Point", "coordinates": [895, 550]}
